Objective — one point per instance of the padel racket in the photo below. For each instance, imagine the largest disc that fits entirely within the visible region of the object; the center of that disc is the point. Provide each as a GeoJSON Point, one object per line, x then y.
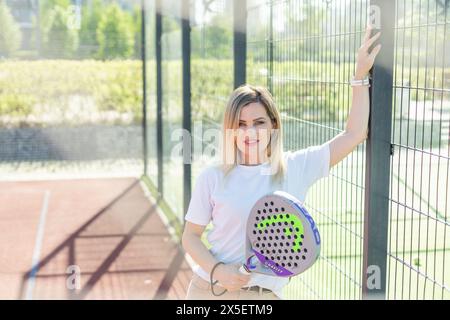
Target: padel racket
{"type": "Point", "coordinates": [282, 237]}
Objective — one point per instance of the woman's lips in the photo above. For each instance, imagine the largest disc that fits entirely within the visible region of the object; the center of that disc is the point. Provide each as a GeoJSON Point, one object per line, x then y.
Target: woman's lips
{"type": "Point", "coordinates": [251, 142]}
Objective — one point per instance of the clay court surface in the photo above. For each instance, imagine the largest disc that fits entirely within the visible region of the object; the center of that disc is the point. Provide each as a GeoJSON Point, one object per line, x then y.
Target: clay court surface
{"type": "Point", "coordinates": [108, 230]}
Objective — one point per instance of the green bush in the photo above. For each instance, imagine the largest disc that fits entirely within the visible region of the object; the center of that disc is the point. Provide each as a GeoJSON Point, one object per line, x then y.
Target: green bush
{"type": "Point", "coordinates": [64, 89]}
{"type": "Point", "coordinates": [137, 25]}
{"type": "Point", "coordinates": [212, 83]}
{"type": "Point", "coordinates": [89, 23]}
{"type": "Point", "coordinates": [60, 41]}
{"type": "Point", "coordinates": [16, 105]}
{"type": "Point", "coordinates": [214, 41]}
{"type": "Point", "coordinates": [115, 34]}
{"type": "Point", "coordinates": [111, 91]}
{"type": "Point", "coordinates": [10, 34]}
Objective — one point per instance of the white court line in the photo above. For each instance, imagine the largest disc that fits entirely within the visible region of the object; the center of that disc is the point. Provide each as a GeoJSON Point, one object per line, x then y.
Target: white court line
{"type": "Point", "coordinates": [37, 247]}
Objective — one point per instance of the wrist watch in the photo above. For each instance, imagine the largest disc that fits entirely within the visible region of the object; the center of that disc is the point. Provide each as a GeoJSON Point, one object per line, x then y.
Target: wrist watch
{"type": "Point", "coordinates": [358, 83]}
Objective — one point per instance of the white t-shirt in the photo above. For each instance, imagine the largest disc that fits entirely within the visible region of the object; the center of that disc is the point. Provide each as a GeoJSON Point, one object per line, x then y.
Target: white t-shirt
{"type": "Point", "coordinates": [227, 205]}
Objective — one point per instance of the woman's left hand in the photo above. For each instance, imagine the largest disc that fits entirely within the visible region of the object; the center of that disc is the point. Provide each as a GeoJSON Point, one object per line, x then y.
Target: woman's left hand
{"type": "Point", "coordinates": [366, 59]}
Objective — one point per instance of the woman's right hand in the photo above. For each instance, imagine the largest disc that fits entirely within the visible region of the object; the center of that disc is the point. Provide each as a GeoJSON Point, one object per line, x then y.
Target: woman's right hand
{"type": "Point", "coordinates": [230, 277]}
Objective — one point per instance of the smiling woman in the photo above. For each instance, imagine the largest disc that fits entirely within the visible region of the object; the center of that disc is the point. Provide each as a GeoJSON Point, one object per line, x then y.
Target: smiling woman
{"type": "Point", "coordinates": [252, 132]}
{"type": "Point", "coordinates": [253, 165]}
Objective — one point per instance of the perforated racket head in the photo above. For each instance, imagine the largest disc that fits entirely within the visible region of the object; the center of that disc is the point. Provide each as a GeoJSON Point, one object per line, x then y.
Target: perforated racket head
{"type": "Point", "coordinates": [282, 238]}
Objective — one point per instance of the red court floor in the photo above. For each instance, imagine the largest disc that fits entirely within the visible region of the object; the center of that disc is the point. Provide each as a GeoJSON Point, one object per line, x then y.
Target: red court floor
{"type": "Point", "coordinates": [86, 239]}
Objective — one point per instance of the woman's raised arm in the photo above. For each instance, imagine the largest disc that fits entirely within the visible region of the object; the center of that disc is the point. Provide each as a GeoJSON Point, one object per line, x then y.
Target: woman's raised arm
{"type": "Point", "coordinates": [357, 123]}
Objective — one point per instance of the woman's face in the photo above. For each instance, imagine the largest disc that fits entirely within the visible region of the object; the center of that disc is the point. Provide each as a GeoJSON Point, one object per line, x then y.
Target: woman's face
{"type": "Point", "coordinates": [253, 137]}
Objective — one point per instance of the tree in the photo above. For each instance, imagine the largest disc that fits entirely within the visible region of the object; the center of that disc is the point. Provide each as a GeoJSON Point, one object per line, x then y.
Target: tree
{"type": "Point", "coordinates": [443, 5]}
{"type": "Point", "coordinates": [219, 38]}
{"type": "Point", "coordinates": [90, 18]}
{"type": "Point", "coordinates": [10, 34]}
{"type": "Point", "coordinates": [60, 40]}
{"type": "Point", "coordinates": [137, 25]}
{"type": "Point", "coordinates": [115, 34]}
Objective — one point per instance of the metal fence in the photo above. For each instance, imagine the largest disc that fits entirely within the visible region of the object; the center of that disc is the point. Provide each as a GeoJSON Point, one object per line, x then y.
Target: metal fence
{"type": "Point", "coordinates": [383, 211]}
{"type": "Point", "coordinates": [308, 62]}
{"type": "Point", "coordinates": [418, 251]}
{"type": "Point", "coordinates": [69, 105]}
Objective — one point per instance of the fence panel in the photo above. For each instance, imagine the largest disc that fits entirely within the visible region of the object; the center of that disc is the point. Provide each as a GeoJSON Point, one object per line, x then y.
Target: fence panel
{"type": "Point", "coordinates": [172, 108]}
{"type": "Point", "coordinates": [70, 96]}
{"type": "Point", "coordinates": [151, 78]}
{"type": "Point", "coordinates": [419, 233]}
{"type": "Point", "coordinates": [212, 76]}
{"type": "Point", "coordinates": [304, 52]}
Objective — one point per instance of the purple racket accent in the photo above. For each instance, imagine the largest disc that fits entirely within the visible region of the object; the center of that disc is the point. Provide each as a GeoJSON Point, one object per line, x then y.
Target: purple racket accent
{"type": "Point", "coordinates": [279, 271]}
{"type": "Point", "coordinates": [249, 264]}
{"type": "Point", "coordinates": [282, 237]}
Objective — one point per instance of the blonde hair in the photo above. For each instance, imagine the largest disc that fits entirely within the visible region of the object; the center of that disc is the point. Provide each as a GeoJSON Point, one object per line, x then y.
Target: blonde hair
{"type": "Point", "coordinates": [241, 97]}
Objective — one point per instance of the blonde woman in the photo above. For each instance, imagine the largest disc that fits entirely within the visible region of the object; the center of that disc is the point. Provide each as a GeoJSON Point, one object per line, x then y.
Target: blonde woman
{"type": "Point", "coordinates": [254, 164]}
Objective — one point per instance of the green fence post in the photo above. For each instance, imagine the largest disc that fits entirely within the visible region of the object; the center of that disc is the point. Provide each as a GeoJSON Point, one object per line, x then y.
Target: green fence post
{"type": "Point", "coordinates": [144, 84]}
{"type": "Point", "coordinates": [187, 141]}
{"type": "Point", "coordinates": [378, 153]}
{"type": "Point", "coordinates": [240, 41]}
{"type": "Point", "coordinates": [159, 120]}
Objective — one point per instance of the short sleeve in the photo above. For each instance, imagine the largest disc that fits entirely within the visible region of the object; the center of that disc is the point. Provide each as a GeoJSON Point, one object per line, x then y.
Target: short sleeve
{"type": "Point", "coordinates": [200, 207]}
{"type": "Point", "coordinates": [317, 163]}
{"type": "Point", "coordinates": [306, 166]}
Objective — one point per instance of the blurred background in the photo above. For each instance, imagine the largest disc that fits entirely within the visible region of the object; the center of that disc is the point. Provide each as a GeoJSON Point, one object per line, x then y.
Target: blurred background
{"type": "Point", "coordinates": [93, 94]}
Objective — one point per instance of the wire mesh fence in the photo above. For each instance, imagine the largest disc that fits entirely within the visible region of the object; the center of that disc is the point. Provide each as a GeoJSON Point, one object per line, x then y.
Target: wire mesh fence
{"type": "Point", "coordinates": [71, 100]}
{"type": "Point", "coordinates": [418, 230]}
{"type": "Point", "coordinates": [212, 74]}
{"type": "Point", "coordinates": [70, 89]}
{"type": "Point", "coordinates": [304, 52]}
{"type": "Point", "coordinates": [305, 58]}
{"type": "Point", "coordinates": [151, 91]}
{"type": "Point", "coordinates": [171, 102]}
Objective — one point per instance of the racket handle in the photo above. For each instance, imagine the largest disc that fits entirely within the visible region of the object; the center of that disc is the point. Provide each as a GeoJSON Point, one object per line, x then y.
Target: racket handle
{"type": "Point", "coordinates": [244, 270]}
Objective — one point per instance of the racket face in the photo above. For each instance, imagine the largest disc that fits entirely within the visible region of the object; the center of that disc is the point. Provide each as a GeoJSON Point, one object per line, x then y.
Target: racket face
{"type": "Point", "coordinates": [282, 238]}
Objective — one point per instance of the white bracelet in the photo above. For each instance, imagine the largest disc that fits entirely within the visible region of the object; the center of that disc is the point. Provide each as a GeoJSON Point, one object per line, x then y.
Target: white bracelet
{"type": "Point", "coordinates": [358, 83]}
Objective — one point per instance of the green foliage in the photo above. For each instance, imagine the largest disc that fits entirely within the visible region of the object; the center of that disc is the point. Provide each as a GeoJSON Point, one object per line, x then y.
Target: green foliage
{"type": "Point", "coordinates": [214, 41]}
{"type": "Point", "coordinates": [60, 40]}
{"type": "Point", "coordinates": [170, 24]}
{"type": "Point", "coordinates": [121, 90]}
{"type": "Point", "coordinates": [10, 34]}
{"type": "Point", "coordinates": [48, 5]}
{"type": "Point", "coordinates": [137, 25]}
{"type": "Point", "coordinates": [16, 105]}
{"type": "Point", "coordinates": [115, 34]}
{"type": "Point", "coordinates": [89, 22]}
{"type": "Point", "coordinates": [114, 89]}
{"type": "Point", "coordinates": [212, 83]}
{"type": "Point", "coordinates": [46, 92]}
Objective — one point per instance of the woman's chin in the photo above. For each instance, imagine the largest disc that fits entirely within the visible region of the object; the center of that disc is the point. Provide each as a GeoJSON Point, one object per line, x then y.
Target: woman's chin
{"type": "Point", "coordinates": [251, 155]}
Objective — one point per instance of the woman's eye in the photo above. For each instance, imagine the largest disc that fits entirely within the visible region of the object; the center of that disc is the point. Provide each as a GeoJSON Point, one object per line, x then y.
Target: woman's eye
{"type": "Point", "coordinates": [260, 123]}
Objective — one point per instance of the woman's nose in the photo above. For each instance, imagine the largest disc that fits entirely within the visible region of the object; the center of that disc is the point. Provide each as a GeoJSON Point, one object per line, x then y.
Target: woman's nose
{"type": "Point", "coordinates": [249, 131]}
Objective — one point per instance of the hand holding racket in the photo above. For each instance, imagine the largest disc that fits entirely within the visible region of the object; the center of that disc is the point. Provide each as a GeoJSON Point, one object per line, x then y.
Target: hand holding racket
{"type": "Point", "coordinates": [282, 238]}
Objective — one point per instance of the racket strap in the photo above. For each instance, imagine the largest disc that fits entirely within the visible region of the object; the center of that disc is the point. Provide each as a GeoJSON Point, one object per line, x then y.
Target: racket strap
{"type": "Point", "coordinates": [212, 282]}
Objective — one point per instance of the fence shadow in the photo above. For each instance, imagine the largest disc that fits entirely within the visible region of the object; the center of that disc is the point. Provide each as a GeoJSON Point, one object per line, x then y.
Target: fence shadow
{"type": "Point", "coordinates": [123, 251]}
